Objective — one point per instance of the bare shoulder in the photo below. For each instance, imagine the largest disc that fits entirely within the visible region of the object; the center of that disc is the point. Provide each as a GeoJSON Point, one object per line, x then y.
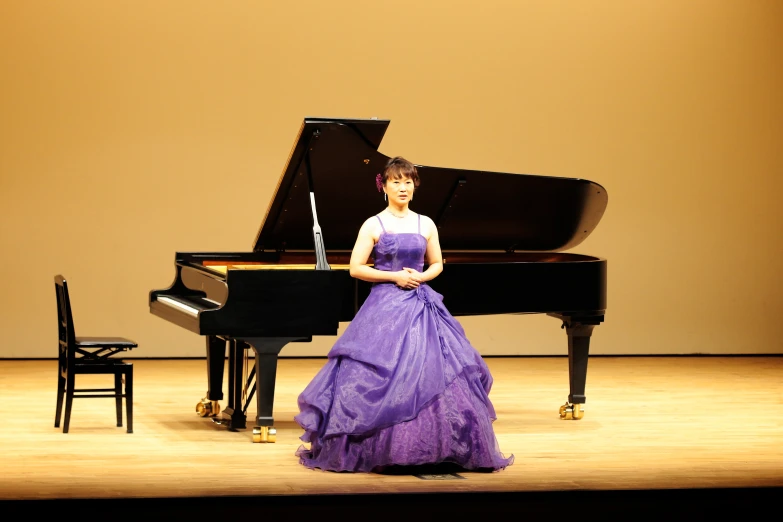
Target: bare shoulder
{"type": "Point", "coordinates": [427, 220]}
{"type": "Point", "coordinates": [370, 221]}
{"type": "Point", "coordinates": [371, 227]}
{"type": "Point", "coordinates": [428, 227]}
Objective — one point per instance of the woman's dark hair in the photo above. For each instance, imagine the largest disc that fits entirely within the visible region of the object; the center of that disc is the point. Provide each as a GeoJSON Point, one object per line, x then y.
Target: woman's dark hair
{"type": "Point", "coordinates": [398, 168]}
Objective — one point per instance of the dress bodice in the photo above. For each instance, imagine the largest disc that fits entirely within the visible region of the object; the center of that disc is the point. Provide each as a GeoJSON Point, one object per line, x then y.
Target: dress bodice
{"type": "Point", "coordinates": [395, 251]}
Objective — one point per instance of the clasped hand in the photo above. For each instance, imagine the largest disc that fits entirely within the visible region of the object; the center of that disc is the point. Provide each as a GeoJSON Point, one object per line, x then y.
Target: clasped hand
{"type": "Point", "coordinates": [408, 278]}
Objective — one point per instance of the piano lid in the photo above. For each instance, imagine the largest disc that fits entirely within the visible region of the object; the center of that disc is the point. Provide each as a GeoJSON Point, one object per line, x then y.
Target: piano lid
{"type": "Point", "coordinates": [474, 210]}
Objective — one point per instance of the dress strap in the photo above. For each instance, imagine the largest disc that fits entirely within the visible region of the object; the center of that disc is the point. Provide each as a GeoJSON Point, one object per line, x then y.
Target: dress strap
{"type": "Point", "coordinates": [381, 222]}
{"type": "Point", "coordinates": [419, 223]}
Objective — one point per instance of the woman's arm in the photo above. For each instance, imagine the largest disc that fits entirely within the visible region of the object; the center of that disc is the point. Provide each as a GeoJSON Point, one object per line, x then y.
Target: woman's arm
{"type": "Point", "coordinates": [434, 255]}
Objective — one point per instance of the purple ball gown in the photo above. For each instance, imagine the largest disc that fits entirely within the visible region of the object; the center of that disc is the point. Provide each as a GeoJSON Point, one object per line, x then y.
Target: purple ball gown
{"type": "Point", "coordinates": [402, 387]}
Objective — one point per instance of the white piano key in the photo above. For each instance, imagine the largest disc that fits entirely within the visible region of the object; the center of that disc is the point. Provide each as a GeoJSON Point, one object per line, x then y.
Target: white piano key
{"type": "Point", "coordinates": [176, 304]}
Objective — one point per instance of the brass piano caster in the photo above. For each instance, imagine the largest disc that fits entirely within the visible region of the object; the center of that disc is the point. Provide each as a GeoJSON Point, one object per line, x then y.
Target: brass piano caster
{"type": "Point", "coordinates": [207, 408]}
{"type": "Point", "coordinates": [572, 411]}
{"type": "Point", "coordinates": [264, 434]}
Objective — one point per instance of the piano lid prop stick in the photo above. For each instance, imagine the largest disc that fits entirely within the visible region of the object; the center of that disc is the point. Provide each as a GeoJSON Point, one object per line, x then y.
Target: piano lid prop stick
{"type": "Point", "coordinates": [320, 250]}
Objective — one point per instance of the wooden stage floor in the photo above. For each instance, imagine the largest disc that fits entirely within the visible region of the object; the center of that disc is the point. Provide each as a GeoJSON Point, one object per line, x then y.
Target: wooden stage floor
{"type": "Point", "coordinates": [701, 433]}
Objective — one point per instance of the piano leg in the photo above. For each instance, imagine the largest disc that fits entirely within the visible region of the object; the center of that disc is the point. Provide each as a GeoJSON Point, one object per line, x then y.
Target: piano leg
{"type": "Point", "coordinates": [579, 329]}
{"type": "Point", "coordinates": [233, 416]}
{"type": "Point", "coordinates": [216, 360]}
{"type": "Point", "coordinates": [267, 350]}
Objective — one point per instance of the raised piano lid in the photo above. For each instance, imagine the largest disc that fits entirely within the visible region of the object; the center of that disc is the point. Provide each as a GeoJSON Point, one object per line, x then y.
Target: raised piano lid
{"type": "Point", "coordinates": [474, 210]}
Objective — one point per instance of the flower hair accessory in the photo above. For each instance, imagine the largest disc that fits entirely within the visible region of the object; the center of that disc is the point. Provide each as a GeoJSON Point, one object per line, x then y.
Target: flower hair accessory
{"type": "Point", "coordinates": [379, 181]}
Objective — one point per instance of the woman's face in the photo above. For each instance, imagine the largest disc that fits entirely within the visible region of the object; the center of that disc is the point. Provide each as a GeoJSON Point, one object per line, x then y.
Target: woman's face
{"type": "Point", "coordinates": [399, 190]}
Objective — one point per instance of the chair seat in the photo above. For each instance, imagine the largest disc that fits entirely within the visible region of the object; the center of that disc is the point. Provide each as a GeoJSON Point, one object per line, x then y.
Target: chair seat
{"type": "Point", "coordinates": [106, 361]}
{"type": "Point", "coordinates": [107, 342]}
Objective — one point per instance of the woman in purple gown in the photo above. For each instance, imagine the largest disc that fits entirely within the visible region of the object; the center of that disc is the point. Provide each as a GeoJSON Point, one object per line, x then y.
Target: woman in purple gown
{"type": "Point", "coordinates": [402, 387]}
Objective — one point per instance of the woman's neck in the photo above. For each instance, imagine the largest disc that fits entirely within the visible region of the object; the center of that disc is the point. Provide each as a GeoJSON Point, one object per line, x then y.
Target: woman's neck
{"type": "Point", "coordinates": [399, 211]}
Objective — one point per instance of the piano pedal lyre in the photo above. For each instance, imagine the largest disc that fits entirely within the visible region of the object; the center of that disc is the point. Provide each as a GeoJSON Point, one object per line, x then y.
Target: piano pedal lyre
{"type": "Point", "coordinates": [207, 408]}
{"type": "Point", "coordinates": [264, 434]}
{"type": "Point", "coordinates": [572, 411]}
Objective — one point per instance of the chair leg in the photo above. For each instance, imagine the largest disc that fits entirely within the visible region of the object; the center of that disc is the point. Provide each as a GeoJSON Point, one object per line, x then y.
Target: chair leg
{"type": "Point", "coordinates": [118, 396]}
{"type": "Point", "coordinates": [129, 397]}
{"type": "Point", "coordinates": [60, 394]}
{"type": "Point", "coordinates": [70, 378]}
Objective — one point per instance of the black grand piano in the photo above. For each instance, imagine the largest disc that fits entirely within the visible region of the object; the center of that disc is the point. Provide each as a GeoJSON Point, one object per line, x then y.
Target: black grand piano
{"type": "Point", "coordinates": [295, 284]}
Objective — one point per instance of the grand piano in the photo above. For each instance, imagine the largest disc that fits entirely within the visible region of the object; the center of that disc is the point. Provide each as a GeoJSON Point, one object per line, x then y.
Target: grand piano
{"type": "Point", "coordinates": [294, 284]}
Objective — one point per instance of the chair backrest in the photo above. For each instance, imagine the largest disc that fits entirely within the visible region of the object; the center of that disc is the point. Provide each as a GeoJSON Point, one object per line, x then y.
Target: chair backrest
{"type": "Point", "coordinates": [65, 330]}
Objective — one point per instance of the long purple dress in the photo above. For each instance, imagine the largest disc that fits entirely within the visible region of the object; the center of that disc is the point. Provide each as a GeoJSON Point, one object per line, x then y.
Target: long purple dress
{"type": "Point", "coordinates": [402, 386]}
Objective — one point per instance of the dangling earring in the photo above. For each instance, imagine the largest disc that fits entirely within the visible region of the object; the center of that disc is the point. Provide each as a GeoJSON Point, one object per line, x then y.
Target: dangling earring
{"type": "Point", "coordinates": [384, 196]}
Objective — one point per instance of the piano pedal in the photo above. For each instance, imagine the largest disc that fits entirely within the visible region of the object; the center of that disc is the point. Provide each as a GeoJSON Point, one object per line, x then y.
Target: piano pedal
{"type": "Point", "coordinates": [572, 411]}
{"type": "Point", "coordinates": [207, 408]}
{"type": "Point", "coordinates": [264, 434]}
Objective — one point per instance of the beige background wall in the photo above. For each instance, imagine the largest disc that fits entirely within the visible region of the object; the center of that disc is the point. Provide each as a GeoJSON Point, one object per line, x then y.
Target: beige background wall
{"type": "Point", "coordinates": [133, 129]}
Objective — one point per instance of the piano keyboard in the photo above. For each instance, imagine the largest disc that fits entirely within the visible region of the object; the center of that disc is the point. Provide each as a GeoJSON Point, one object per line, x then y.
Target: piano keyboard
{"type": "Point", "coordinates": [189, 306]}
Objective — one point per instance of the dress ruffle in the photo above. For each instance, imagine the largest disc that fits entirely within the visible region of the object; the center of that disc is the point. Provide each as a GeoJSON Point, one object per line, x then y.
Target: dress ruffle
{"type": "Point", "coordinates": [450, 429]}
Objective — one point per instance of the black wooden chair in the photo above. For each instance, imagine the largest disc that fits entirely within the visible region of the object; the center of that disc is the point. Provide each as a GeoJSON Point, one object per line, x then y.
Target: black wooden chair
{"type": "Point", "coordinates": [89, 355]}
